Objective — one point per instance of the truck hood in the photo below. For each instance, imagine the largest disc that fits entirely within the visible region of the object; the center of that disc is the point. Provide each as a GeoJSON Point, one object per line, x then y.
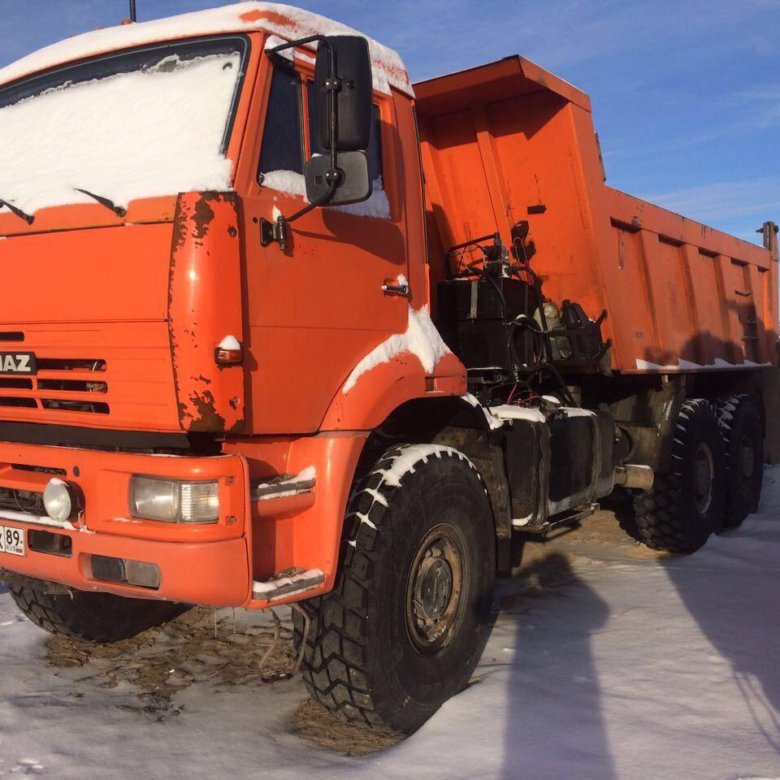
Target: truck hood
{"type": "Point", "coordinates": [117, 326]}
{"type": "Point", "coordinates": [84, 336]}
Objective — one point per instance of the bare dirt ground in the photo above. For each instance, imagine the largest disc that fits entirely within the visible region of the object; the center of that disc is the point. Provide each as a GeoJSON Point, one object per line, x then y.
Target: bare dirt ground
{"type": "Point", "coordinates": [199, 647]}
{"type": "Point", "coordinates": [217, 648]}
{"type": "Point", "coordinates": [212, 648]}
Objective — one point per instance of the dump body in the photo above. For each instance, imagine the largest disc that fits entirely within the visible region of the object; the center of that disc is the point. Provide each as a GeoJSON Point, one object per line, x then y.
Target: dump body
{"type": "Point", "coordinates": [509, 141]}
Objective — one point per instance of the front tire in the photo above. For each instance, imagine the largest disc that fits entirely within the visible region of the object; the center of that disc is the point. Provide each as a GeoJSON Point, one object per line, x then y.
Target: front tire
{"type": "Point", "coordinates": [411, 611]}
{"type": "Point", "coordinates": [686, 505]}
{"type": "Point", "coordinates": [93, 617]}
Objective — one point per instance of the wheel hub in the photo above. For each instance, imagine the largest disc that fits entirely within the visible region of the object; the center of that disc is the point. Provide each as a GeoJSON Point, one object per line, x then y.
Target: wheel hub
{"type": "Point", "coordinates": [434, 590]}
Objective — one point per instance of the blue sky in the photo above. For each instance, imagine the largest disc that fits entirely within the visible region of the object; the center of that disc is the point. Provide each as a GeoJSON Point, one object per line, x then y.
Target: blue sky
{"type": "Point", "coordinates": [686, 93]}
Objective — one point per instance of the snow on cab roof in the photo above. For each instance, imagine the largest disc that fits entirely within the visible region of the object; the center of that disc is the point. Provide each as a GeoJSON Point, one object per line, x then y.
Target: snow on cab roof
{"type": "Point", "coordinates": [283, 20]}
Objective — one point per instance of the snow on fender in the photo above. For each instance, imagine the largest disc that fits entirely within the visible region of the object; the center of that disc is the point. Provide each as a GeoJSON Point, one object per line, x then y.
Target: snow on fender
{"type": "Point", "coordinates": [421, 339]}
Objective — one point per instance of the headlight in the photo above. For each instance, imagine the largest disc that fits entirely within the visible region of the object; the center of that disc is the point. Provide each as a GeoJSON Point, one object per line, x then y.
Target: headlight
{"type": "Point", "coordinates": [172, 501]}
{"type": "Point", "coordinates": [58, 500]}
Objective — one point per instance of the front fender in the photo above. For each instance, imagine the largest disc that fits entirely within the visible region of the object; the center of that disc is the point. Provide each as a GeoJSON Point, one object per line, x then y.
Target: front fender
{"type": "Point", "coordinates": [379, 392]}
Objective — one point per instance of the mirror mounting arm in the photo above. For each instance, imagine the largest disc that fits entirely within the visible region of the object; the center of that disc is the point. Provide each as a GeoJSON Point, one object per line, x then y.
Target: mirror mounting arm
{"type": "Point", "coordinates": [277, 231]}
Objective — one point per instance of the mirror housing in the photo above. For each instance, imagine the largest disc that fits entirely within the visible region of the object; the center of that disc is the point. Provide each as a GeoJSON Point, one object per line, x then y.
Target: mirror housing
{"type": "Point", "coordinates": [353, 184]}
{"type": "Point", "coordinates": [352, 82]}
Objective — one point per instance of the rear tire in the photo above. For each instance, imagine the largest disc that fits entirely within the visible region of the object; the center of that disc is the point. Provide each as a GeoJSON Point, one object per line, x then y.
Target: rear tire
{"type": "Point", "coordinates": [89, 616]}
{"type": "Point", "coordinates": [743, 437]}
{"type": "Point", "coordinates": [411, 611]}
{"type": "Point", "coordinates": [687, 504]}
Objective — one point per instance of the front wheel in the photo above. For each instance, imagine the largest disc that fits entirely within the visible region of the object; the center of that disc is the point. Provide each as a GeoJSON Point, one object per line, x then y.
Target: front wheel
{"type": "Point", "coordinates": [411, 612]}
{"type": "Point", "coordinates": [89, 616]}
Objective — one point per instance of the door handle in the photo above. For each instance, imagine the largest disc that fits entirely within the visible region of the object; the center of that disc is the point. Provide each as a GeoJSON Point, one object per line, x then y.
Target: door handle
{"type": "Point", "coordinates": [401, 290]}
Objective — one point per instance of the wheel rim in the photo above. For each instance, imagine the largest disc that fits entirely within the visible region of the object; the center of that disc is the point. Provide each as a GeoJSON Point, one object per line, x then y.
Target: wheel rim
{"type": "Point", "coordinates": [434, 590]}
{"type": "Point", "coordinates": [704, 471]}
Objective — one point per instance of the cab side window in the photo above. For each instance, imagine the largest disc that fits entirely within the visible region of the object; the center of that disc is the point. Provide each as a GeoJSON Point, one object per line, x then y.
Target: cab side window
{"type": "Point", "coordinates": [283, 134]}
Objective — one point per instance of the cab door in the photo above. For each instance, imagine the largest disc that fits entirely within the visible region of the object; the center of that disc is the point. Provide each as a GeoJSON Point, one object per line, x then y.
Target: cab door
{"type": "Point", "coordinates": [317, 308]}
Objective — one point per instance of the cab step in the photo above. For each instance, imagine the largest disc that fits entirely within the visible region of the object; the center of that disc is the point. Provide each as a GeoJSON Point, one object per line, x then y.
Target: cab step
{"type": "Point", "coordinates": [569, 517]}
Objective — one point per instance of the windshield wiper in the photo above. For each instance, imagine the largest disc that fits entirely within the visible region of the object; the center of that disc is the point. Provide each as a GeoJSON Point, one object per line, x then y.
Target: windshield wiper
{"type": "Point", "coordinates": [28, 218]}
{"type": "Point", "coordinates": [109, 204]}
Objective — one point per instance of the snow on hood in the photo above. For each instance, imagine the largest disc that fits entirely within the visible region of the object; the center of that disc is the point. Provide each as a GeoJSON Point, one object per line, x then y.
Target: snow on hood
{"type": "Point", "coordinates": [388, 68]}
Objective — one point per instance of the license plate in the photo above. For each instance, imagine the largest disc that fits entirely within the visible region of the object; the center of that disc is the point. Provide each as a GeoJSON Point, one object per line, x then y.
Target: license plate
{"type": "Point", "coordinates": [11, 540]}
{"type": "Point", "coordinates": [18, 363]}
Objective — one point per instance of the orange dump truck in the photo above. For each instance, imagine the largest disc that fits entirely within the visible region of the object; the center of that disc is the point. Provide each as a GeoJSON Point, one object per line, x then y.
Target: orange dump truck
{"type": "Point", "coordinates": [279, 327]}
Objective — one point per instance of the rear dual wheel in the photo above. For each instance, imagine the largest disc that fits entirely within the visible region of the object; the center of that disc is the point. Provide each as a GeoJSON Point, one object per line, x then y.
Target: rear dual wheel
{"type": "Point", "coordinates": [686, 504]}
{"type": "Point", "coordinates": [714, 481]}
{"type": "Point", "coordinates": [742, 428]}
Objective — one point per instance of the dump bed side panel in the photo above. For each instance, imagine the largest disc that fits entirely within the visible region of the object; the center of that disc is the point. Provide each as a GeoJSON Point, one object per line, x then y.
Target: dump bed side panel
{"type": "Point", "coordinates": [506, 143]}
{"type": "Point", "coordinates": [702, 298]}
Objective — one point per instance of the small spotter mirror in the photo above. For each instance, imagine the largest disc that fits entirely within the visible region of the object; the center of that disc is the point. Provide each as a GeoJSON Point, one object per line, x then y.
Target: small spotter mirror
{"type": "Point", "coordinates": [354, 183]}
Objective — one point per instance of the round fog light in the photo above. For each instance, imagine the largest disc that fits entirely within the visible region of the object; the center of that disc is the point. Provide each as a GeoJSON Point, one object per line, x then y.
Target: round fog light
{"type": "Point", "coordinates": [57, 500]}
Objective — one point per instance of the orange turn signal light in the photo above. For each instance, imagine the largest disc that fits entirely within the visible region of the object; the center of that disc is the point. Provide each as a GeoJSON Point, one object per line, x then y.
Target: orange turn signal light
{"type": "Point", "coordinates": [228, 357]}
{"type": "Point", "coordinates": [229, 352]}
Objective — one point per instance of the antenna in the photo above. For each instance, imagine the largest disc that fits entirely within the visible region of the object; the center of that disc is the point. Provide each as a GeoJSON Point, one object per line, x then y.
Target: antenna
{"type": "Point", "coordinates": [132, 11]}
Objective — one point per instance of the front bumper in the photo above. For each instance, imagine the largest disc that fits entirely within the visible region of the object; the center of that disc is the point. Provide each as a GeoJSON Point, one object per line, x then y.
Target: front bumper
{"type": "Point", "coordinates": [202, 564]}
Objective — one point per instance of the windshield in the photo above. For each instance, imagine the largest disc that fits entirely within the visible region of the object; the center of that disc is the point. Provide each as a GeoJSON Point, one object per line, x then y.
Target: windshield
{"type": "Point", "coordinates": [148, 122]}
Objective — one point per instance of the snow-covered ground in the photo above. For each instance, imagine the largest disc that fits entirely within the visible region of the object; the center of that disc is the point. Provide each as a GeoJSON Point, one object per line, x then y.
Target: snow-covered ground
{"type": "Point", "coordinates": [605, 662]}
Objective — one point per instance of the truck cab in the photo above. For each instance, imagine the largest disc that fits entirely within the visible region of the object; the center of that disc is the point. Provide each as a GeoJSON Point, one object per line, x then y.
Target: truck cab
{"type": "Point", "coordinates": [159, 338]}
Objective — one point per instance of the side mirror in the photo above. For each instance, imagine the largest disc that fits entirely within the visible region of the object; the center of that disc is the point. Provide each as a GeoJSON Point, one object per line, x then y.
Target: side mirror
{"type": "Point", "coordinates": [350, 77]}
{"type": "Point", "coordinates": [354, 183]}
{"type": "Point", "coordinates": [343, 89]}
